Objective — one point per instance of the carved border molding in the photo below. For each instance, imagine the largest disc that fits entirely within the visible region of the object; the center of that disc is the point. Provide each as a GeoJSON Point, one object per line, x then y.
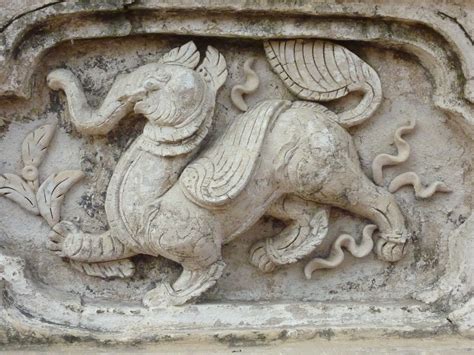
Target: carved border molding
{"type": "Point", "coordinates": [440, 42]}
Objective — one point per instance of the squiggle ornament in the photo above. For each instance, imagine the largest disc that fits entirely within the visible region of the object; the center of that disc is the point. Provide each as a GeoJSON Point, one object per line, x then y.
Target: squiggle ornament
{"type": "Point", "coordinates": [408, 178]}
{"type": "Point", "coordinates": [336, 256]}
{"type": "Point", "coordinates": [411, 178]}
{"type": "Point", "coordinates": [403, 149]}
{"type": "Point", "coordinates": [248, 87]}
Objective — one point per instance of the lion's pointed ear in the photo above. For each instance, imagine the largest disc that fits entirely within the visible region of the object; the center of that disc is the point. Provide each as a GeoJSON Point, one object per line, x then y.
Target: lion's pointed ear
{"type": "Point", "coordinates": [213, 68]}
{"type": "Point", "coordinates": [187, 55]}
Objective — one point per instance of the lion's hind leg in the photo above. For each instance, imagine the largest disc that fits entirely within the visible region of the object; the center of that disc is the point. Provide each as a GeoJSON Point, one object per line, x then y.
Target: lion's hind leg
{"type": "Point", "coordinates": [307, 225]}
{"type": "Point", "coordinates": [190, 285]}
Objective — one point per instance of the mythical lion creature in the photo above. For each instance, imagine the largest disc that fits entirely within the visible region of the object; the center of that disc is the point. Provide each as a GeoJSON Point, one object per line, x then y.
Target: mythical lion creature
{"type": "Point", "coordinates": [289, 160]}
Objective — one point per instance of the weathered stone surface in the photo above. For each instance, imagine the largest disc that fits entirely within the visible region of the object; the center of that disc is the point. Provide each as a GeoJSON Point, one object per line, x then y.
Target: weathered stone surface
{"type": "Point", "coordinates": [240, 173]}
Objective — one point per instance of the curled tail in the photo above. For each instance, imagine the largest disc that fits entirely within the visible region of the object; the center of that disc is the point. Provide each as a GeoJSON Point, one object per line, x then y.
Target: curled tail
{"type": "Point", "coordinates": [319, 70]}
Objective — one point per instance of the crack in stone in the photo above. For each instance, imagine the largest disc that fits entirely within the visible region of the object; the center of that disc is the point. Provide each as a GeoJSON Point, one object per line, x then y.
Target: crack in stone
{"type": "Point", "coordinates": [455, 20]}
{"type": "Point", "coordinates": [17, 17]}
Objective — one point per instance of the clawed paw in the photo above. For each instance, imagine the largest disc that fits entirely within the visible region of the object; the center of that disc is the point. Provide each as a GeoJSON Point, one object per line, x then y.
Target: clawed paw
{"type": "Point", "coordinates": [61, 239]}
{"type": "Point", "coordinates": [259, 257]}
{"type": "Point", "coordinates": [159, 297]}
{"type": "Point", "coordinates": [390, 251]}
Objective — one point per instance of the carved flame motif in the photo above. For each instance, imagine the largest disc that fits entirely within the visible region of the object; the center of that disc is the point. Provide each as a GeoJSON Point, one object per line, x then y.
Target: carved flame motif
{"type": "Point", "coordinates": [33, 150]}
{"type": "Point", "coordinates": [213, 68]}
{"type": "Point", "coordinates": [412, 178]}
{"type": "Point", "coordinates": [16, 189]}
{"type": "Point", "coordinates": [187, 55]}
{"type": "Point", "coordinates": [336, 256]}
{"type": "Point", "coordinates": [403, 153]}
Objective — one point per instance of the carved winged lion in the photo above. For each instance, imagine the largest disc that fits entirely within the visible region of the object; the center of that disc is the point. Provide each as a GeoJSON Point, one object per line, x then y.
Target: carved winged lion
{"type": "Point", "coordinates": [289, 160]}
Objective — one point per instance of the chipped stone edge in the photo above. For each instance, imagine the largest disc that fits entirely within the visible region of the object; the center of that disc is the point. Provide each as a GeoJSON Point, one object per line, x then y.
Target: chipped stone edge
{"type": "Point", "coordinates": [26, 318]}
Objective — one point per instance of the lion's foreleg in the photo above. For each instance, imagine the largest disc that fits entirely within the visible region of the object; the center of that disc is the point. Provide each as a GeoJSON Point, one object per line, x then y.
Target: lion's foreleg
{"type": "Point", "coordinates": [68, 241]}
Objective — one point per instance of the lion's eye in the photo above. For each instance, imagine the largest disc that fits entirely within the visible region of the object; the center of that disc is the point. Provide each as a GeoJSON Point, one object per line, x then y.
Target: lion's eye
{"type": "Point", "coordinates": [156, 81]}
{"type": "Point", "coordinates": [151, 84]}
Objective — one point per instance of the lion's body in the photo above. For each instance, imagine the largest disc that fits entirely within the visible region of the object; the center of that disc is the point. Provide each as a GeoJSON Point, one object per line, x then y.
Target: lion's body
{"type": "Point", "coordinates": [289, 160]}
{"type": "Point", "coordinates": [305, 153]}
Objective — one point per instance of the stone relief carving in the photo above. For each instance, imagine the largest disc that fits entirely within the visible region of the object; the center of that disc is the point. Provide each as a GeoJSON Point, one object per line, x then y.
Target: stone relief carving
{"type": "Point", "coordinates": [288, 160]}
{"type": "Point", "coordinates": [316, 233]}
{"type": "Point", "coordinates": [403, 153]}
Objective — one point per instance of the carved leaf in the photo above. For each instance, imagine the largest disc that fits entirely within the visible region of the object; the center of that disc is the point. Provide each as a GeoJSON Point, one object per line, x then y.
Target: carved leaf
{"type": "Point", "coordinates": [213, 68]}
{"type": "Point", "coordinates": [35, 145]}
{"type": "Point", "coordinates": [109, 269]}
{"type": "Point", "coordinates": [14, 188]}
{"type": "Point", "coordinates": [319, 70]}
{"type": "Point", "coordinates": [187, 55]}
{"type": "Point", "coordinates": [51, 193]}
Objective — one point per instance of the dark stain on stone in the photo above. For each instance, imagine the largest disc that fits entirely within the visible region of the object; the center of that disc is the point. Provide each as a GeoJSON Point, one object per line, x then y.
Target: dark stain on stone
{"type": "Point", "coordinates": [90, 205]}
{"type": "Point", "coordinates": [373, 309]}
{"type": "Point", "coordinates": [327, 334]}
{"type": "Point", "coordinates": [235, 340]}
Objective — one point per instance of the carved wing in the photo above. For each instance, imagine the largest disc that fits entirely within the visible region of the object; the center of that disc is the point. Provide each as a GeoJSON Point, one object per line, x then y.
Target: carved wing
{"type": "Point", "coordinates": [319, 70]}
{"type": "Point", "coordinates": [223, 171]}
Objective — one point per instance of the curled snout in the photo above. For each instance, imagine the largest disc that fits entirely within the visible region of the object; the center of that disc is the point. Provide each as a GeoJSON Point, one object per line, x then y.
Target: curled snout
{"type": "Point", "coordinates": [57, 77]}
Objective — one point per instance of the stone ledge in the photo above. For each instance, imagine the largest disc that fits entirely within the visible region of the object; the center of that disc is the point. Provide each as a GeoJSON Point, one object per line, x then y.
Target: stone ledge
{"type": "Point", "coordinates": [235, 323]}
{"type": "Point", "coordinates": [437, 345]}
